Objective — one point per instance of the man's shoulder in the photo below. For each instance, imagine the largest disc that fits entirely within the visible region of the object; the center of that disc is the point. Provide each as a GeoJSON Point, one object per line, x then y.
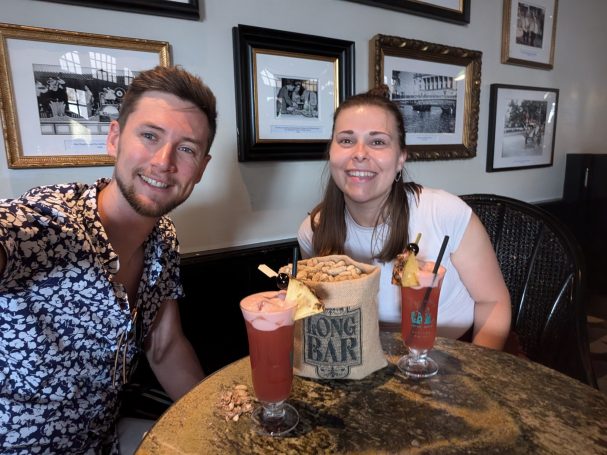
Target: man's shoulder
{"type": "Point", "coordinates": [72, 190]}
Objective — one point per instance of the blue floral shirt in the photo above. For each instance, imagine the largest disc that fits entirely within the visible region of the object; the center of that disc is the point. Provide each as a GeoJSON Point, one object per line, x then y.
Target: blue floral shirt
{"type": "Point", "coordinates": [65, 325]}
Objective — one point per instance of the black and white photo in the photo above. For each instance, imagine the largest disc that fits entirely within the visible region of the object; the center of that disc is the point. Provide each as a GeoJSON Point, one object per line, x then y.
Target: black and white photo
{"type": "Point", "coordinates": [522, 127]}
{"type": "Point", "coordinates": [428, 101]}
{"type": "Point", "coordinates": [297, 97]}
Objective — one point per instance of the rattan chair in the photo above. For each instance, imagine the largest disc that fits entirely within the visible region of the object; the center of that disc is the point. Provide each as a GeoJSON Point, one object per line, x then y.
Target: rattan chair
{"type": "Point", "coordinates": [544, 270]}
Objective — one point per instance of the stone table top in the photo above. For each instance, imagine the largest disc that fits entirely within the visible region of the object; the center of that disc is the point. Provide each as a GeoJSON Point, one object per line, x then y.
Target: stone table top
{"type": "Point", "coordinates": [481, 401]}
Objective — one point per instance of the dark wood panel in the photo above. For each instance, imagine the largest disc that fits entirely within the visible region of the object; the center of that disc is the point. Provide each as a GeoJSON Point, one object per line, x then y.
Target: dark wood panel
{"type": "Point", "coordinates": [214, 283]}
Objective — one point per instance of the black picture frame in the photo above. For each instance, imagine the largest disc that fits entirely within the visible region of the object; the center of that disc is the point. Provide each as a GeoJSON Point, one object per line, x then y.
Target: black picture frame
{"type": "Point", "coordinates": [304, 138]}
{"type": "Point", "coordinates": [450, 77]}
{"type": "Point", "coordinates": [170, 8]}
{"type": "Point", "coordinates": [522, 127]}
{"type": "Point", "coordinates": [427, 9]}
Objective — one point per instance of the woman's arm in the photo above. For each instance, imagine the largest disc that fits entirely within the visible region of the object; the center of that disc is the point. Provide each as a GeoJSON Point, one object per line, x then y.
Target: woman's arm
{"type": "Point", "coordinates": [479, 270]}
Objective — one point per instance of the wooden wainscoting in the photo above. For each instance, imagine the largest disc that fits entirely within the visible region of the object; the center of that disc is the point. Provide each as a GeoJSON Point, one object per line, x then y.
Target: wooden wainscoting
{"type": "Point", "coordinates": [214, 282]}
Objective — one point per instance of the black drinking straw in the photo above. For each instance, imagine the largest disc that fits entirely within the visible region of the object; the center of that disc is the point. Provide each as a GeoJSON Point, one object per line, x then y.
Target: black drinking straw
{"type": "Point", "coordinates": [441, 253]}
{"type": "Point", "coordinates": [294, 268]}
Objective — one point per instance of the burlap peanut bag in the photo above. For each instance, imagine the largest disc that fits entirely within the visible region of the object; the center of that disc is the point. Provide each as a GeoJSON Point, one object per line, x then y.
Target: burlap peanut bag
{"type": "Point", "coordinates": [343, 341]}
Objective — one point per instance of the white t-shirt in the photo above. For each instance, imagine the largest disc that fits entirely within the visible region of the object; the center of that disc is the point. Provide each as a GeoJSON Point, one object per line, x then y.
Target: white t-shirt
{"type": "Point", "coordinates": [437, 214]}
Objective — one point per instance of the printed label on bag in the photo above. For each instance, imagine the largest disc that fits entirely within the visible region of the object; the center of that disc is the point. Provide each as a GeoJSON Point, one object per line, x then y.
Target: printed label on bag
{"type": "Point", "coordinates": [332, 342]}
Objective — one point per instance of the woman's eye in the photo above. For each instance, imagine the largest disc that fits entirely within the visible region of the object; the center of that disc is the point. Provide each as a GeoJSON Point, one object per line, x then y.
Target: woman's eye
{"type": "Point", "coordinates": [344, 140]}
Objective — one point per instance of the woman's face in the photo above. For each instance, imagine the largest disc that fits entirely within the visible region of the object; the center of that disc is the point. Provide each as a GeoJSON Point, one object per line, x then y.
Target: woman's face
{"type": "Point", "coordinates": [365, 155]}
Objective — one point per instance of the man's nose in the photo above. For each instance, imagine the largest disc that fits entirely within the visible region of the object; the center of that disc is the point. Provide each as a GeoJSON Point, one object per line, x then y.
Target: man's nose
{"type": "Point", "coordinates": [165, 156]}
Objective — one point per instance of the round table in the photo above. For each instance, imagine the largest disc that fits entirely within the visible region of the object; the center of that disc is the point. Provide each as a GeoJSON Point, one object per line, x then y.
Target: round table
{"type": "Point", "coordinates": [482, 401]}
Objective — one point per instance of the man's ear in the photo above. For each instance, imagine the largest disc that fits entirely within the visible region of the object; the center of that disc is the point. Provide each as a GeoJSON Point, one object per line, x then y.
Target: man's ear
{"type": "Point", "coordinates": [205, 161]}
{"type": "Point", "coordinates": [112, 139]}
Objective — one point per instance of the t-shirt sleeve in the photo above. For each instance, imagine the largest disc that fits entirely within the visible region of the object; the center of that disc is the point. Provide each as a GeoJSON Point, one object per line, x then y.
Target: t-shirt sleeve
{"type": "Point", "coordinates": [304, 238]}
{"type": "Point", "coordinates": [456, 217]}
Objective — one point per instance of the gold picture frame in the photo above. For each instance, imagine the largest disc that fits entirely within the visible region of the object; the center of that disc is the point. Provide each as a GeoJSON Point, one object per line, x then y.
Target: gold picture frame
{"type": "Point", "coordinates": [60, 89]}
{"type": "Point", "coordinates": [529, 33]}
{"type": "Point", "coordinates": [437, 88]}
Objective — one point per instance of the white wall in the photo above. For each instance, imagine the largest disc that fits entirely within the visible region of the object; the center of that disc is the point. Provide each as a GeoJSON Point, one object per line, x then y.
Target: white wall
{"type": "Point", "coordinates": [241, 203]}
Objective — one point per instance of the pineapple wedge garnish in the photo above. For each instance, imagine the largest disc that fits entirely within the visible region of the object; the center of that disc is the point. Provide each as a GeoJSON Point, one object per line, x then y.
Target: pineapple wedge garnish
{"type": "Point", "coordinates": [307, 302]}
{"type": "Point", "coordinates": [409, 275]}
{"type": "Point", "coordinates": [405, 270]}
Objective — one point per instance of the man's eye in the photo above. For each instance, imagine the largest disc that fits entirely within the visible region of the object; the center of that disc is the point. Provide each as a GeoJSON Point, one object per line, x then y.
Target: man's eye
{"type": "Point", "coordinates": [149, 136]}
{"type": "Point", "coordinates": [186, 150]}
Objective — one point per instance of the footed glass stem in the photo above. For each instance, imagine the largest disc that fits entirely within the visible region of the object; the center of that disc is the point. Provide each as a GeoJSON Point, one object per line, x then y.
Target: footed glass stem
{"type": "Point", "coordinates": [417, 364]}
{"type": "Point", "coordinates": [276, 419]}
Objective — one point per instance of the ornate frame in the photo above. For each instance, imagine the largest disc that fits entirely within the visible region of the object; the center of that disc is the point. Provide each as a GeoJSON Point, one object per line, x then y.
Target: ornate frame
{"type": "Point", "coordinates": [458, 68]}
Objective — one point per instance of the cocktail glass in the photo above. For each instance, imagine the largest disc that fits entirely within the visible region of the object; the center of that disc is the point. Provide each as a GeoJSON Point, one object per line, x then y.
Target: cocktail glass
{"type": "Point", "coordinates": [419, 307]}
{"type": "Point", "coordinates": [269, 321]}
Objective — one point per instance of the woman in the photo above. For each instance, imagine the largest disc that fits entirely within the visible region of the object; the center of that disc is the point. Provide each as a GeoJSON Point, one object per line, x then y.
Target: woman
{"type": "Point", "coordinates": [369, 213]}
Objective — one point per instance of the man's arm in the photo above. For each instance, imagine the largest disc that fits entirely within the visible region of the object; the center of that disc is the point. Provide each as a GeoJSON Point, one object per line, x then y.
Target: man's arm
{"type": "Point", "coordinates": [170, 354]}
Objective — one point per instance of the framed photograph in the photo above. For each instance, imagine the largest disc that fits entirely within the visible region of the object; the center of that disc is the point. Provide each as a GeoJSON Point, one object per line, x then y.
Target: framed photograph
{"type": "Point", "coordinates": [456, 11]}
{"type": "Point", "coordinates": [522, 125]}
{"type": "Point", "coordinates": [183, 9]}
{"type": "Point", "coordinates": [438, 91]}
{"type": "Point", "coordinates": [288, 86]}
{"type": "Point", "coordinates": [529, 33]}
{"type": "Point", "coordinates": [60, 90]}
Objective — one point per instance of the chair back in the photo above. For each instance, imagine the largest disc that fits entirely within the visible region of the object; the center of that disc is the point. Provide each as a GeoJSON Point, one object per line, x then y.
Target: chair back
{"type": "Point", "coordinates": [544, 270]}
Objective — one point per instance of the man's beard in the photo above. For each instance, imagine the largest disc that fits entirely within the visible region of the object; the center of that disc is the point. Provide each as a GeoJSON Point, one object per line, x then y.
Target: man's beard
{"type": "Point", "coordinates": [155, 211]}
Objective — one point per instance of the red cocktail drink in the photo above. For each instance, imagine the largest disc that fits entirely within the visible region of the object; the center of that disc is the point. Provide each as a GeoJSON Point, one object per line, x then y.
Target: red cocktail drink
{"type": "Point", "coordinates": [418, 326]}
{"type": "Point", "coordinates": [269, 321]}
{"type": "Point", "coordinates": [419, 308]}
{"type": "Point", "coordinates": [271, 362]}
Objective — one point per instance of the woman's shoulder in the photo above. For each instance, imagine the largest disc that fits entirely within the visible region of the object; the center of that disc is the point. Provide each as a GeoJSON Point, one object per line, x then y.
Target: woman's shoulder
{"type": "Point", "coordinates": [438, 196]}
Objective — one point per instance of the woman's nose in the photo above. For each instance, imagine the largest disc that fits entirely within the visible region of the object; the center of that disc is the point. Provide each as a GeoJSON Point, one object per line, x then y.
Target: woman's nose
{"type": "Point", "coordinates": [360, 151]}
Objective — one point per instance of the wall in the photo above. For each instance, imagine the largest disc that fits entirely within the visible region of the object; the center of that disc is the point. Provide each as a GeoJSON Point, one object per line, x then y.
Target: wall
{"type": "Point", "coordinates": [240, 203]}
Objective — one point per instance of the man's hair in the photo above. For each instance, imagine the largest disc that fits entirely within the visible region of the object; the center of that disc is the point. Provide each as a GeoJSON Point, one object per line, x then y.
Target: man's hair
{"type": "Point", "coordinates": [176, 81]}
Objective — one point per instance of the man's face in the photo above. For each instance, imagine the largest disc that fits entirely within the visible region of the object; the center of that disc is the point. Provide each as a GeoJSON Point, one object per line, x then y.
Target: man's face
{"type": "Point", "coordinates": [160, 153]}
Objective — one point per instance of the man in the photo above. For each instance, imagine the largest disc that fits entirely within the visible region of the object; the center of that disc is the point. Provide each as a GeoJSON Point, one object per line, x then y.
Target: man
{"type": "Point", "coordinates": [284, 103]}
{"type": "Point", "coordinates": [90, 273]}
